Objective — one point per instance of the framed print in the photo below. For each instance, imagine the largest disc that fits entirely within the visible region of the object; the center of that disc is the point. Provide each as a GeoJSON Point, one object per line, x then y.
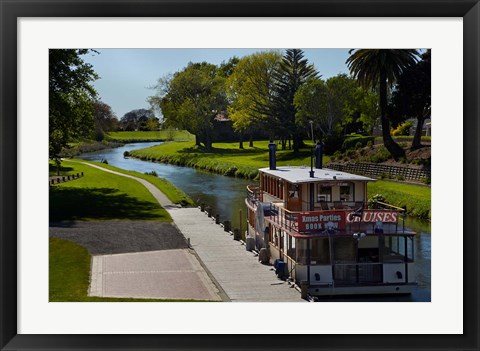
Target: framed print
{"type": "Point", "coordinates": [448, 318]}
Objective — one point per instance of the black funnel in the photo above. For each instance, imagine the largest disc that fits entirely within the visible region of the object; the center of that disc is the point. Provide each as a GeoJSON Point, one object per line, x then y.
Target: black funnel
{"type": "Point", "coordinates": [319, 155]}
{"type": "Point", "coordinates": [272, 148]}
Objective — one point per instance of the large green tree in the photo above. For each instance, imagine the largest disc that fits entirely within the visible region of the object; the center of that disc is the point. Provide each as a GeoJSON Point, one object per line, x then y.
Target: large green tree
{"type": "Point", "coordinates": [105, 119]}
{"type": "Point", "coordinates": [293, 71]}
{"type": "Point", "coordinates": [411, 97]}
{"type": "Point", "coordinates": [191, 99]}
{"type": "Point", "coordinates": [379, 69]}
{"type": "Point", "coordinates": [71, 98]}
{"type": "Point", "coordinates": [250, 89]}
{"type": "Point", "coordinates": [325, 103]}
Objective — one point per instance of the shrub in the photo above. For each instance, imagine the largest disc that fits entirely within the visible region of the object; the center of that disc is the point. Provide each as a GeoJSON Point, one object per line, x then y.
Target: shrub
{"type": "Point", "coordinates": [370, 143]}
{"type": "Point", "coordinates": [105, 161]}
{"type": "Point", "coordinates": [126, 154]}
{"type": "Point", "coordinates": [402, 129]}
{"type": "Point", "coordinates": [381, 155]}
{"type": "Point", "coordinates": [152, 173]}
{"type": "Point", "coordinates": [356, 142]}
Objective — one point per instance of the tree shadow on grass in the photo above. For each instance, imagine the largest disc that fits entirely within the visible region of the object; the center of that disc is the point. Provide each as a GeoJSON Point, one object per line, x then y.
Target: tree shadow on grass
{"type": "Point", "coordinates": [70, 204]}
{"type": "Point", "coordinates": [63, 169]}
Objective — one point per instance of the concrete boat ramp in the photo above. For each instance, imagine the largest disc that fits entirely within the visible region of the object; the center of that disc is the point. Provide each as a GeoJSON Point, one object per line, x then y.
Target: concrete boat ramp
{"type": "Point", "coordinates": [218, 267]}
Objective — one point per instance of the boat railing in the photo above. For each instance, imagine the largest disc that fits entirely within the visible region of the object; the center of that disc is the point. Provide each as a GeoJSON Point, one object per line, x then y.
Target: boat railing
{"type": "Point", "coordinates": [357, 273]}
{"type": "Point", "coordinates": [289, 219]}
{"type": "Point", "coordinates": [253, 194]}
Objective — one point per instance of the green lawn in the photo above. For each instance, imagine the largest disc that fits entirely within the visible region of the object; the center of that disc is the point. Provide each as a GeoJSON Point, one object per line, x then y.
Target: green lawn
{"type": "Point", "coordinates": [173, 193]}
{"type": "Point", "coordinates": [417, 198]}
{"type": "Point", "coordinates": [224, 158]}
{"type": "Point", "coordinates": [162, 135]}
{"type": "Point", "coordinates": [69, 272]}
{"type": "Point", "coordinates": [101, 195]}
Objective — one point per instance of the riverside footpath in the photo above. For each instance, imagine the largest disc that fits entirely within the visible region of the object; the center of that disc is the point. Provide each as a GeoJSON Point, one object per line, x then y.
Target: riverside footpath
{"type": "Point", "coordinates": [235, 272]}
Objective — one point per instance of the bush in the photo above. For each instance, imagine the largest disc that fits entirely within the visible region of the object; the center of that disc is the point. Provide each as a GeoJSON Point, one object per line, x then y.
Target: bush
{"type": "Point", "coordinates": [152, 173]}
{"type": "Point", "coordinates": [105, 161]}
{"type": "Point", "coordinates": [356, 142]}
{"type": "Point", "coordinates": [370, 144]}
{"type": "Point", "coordinates": [381, 155]}
{"type": "Point", "coordinates": [402, 129]}
{"type": "Point", "coordinates": [126, 154]}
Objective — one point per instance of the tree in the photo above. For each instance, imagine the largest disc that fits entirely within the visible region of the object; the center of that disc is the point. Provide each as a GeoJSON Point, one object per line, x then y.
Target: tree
{"type": "Point", "coordinates": [105, 119]}
{"type": "Point", "coordinates": [328, 104]}
{"type": "Point", "coordinates": [191, 99]}
{"type": "Point", "coordinates": [71, 98]}
{"type": "Point", "coordinates": [292, 72]}
{"type": "Point", "coordinates": [250, 89]}
{"type": "Point", "coordinates": [136, 119]}
{"type": "Point", "coordinates": [412, 96]}
{"type": "Point", "coordinates": [380, 68]}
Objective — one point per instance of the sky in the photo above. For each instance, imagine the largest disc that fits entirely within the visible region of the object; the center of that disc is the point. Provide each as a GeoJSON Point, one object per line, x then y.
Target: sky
{"type": "Point", "coordinates": [127, 75]}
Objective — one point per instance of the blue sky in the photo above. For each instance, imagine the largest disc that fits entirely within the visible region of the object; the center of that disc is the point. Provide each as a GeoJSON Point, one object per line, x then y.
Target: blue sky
{"type": "Point", "coordinates": [127, 74]}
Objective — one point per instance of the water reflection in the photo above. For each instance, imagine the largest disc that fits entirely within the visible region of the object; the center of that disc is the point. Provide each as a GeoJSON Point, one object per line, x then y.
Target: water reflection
{"type": "Point", "coordinates": [226, 196]}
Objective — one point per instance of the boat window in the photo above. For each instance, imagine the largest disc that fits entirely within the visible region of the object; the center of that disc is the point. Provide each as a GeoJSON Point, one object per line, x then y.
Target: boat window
{"type": "Point", "coordinates": [344, 250]}
{"type": "Point", "coordinates": [324, 192]}
{"type": "Point", "coordinates": [346, 192]}
{"type": "Point", "coordinates": [301, 250]}
{"type": "Point", "coordinates": [320, 251]}
{"type": "Point", "coordinates": [397, 249]}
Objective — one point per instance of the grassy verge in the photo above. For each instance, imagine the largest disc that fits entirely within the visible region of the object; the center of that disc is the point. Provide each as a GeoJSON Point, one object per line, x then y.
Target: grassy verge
{"type": "Point", "coordinates": [416, 198]}
{"type": "Point", "coordinates": [175, 195]}
{"type": "Point", "coordinates": [161, 135]}
{"type": "Point", "coordinates": [101, 195]}
{"type": "Point", "coordinates": [224, 158]}
{"type": "Point", "coordinates": [69, 272]}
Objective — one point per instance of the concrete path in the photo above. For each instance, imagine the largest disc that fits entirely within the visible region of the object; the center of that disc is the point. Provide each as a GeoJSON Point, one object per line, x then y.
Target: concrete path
{"type": "Point", "coordinates": [236, 271]}
{"type": "Point", "coordinates": [167, 274]}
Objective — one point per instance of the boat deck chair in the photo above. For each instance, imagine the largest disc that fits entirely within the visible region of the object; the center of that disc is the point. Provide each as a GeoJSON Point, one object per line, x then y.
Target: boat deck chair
{"type": "Point", "coordinates": [324, 206]}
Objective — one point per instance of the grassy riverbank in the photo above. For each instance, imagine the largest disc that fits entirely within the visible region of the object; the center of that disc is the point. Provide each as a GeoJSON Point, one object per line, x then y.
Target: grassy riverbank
{"type": "Point", "coordinates": [224, 158]}
{"type": "Point", "coordinates": [174, 194]}
{"type": "Point", "coordinates": [102, 196]}
{"type": "Point", "coordinates": [145, 136]}
{"type": "Point", "coordinates": [416, 198]}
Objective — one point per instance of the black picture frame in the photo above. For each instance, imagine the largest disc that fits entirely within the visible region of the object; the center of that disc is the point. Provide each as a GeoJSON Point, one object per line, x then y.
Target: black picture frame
{"type": "Point", "coordinates": [11, 10]}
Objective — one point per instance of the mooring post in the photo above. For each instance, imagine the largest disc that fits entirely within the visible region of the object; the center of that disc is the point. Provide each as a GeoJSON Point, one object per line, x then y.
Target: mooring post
{"type": "Point", "coordinates": [227, 226]}
{"type": "Point", "coordinates": [240, 213]}
{"type": "Point", "coordinates": [236, 234]}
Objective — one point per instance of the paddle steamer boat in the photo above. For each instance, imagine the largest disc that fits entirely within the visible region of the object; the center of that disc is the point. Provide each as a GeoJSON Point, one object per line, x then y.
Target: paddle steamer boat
{"type": "Point", "coordinates": [315, 226]}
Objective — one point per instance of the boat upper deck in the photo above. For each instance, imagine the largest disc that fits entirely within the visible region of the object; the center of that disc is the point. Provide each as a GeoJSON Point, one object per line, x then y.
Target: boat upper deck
{"type": "Point", "coordinates": [297, 175]}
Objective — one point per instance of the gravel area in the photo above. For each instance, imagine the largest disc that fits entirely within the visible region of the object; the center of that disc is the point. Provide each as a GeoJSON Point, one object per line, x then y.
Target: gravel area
{"type": "Point", "coordinates": [113, 237]}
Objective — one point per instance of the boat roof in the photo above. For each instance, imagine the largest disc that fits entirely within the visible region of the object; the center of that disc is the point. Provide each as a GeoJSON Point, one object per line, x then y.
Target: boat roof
{"type": "Point", "coordinates": [301, 174]}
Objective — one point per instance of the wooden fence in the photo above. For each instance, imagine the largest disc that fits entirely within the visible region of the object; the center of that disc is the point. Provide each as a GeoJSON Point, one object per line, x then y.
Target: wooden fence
{"type": "Point", "coordinates": [62, 179]}
{"type": "Point", "coordinates": [378, 170]}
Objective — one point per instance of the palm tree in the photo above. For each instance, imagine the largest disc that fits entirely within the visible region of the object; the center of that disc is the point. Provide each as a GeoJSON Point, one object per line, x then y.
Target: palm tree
{"type": "Point", "coordinates": [380, 68]}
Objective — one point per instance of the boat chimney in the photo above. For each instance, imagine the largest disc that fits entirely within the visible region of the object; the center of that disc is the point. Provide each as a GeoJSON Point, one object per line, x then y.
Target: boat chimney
{"type": "Point", "coordinates": [319, 155]}
{"type": "Point", "coordinates": [272, 148]}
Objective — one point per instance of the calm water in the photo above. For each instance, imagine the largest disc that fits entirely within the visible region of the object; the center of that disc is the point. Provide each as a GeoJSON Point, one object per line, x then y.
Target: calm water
{"type": "Point", "coordinates": [226, 195]}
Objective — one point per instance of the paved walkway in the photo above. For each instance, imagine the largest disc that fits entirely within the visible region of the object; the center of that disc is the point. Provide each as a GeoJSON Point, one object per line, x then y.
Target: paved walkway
{"type": "Point", "coordinates": [166, 274]}
{"type": "Point", "coordinates": [237, 272]}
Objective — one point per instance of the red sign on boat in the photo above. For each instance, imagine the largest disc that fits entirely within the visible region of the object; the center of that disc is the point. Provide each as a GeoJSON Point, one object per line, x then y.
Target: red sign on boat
{"type": "Point", "coordinates": [313, 221]}
{"type": "Point", "coordinates": [373, 216]}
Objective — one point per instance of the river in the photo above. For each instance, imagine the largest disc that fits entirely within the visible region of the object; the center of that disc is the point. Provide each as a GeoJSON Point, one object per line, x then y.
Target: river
{"type": "Point", "coordinates": [226, 196]}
